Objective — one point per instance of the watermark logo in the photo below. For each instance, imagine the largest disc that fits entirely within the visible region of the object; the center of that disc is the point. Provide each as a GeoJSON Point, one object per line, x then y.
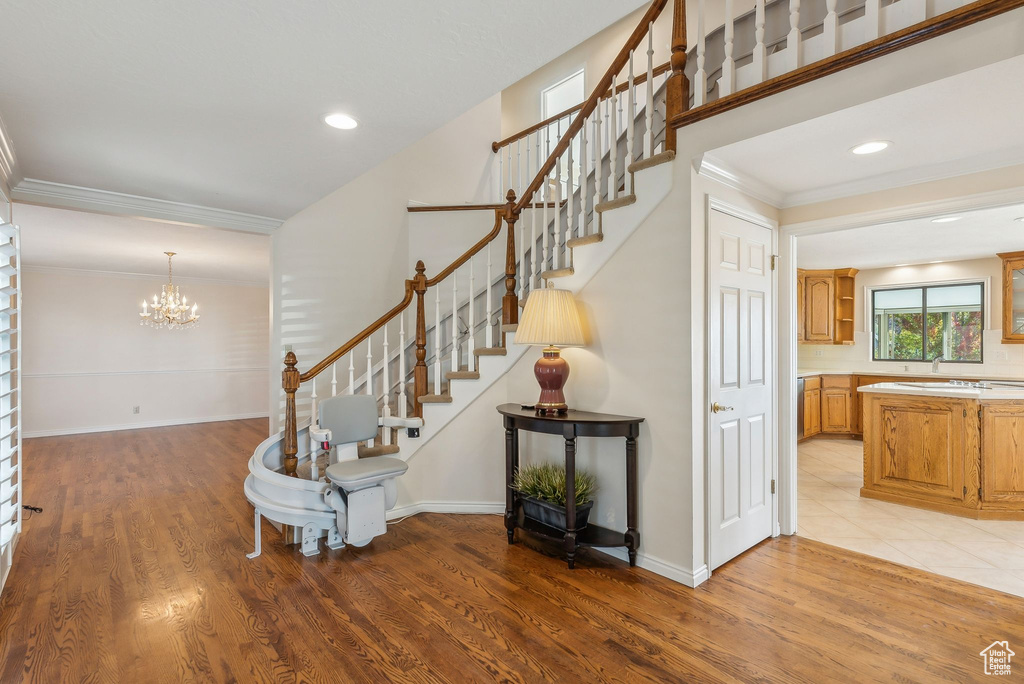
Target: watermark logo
{"type": "Point", "coordinates": [997, 658]}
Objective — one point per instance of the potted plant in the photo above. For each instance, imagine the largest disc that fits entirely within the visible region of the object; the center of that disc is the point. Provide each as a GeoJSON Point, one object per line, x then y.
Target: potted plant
{"type": "Point", "coordinates": [542, 493]}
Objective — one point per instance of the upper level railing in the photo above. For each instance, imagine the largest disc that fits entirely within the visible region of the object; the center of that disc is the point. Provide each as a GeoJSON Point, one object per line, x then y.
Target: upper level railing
{"type": "Point", "coordinates": [566, 187]}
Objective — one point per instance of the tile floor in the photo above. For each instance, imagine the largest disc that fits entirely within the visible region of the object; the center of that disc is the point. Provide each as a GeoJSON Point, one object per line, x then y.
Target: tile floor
{"type": "Point", "coordinates": [831, 510]}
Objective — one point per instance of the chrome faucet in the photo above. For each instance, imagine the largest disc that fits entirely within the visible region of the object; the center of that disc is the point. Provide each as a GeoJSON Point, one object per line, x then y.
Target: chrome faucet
{"type": "Point", "coordinates": [935, 363]}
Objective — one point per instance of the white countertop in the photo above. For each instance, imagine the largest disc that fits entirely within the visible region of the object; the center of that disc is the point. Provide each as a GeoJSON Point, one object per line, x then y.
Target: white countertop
{"type": "Point", "coordinates": [939, 377]}
{"type": "Point", "coordinates": [943, 389]}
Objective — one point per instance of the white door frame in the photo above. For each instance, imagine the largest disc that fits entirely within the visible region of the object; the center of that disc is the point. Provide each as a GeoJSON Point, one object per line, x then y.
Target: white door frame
{"type": "Point", "coordinates": [712, 203]}
{"type": "Point", "coordinates": [786, 328]}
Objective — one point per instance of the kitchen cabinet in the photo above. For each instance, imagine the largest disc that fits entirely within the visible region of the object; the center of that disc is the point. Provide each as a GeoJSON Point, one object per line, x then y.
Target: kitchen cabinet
{"type": "Point", "coordinates": [825, 302]}
{"type": "Point", "coordinates": [1013, 297]}
{"type": "Point", "coordinates": [811, 406]}
{"type": "Point", "coordinates": [837, 408]}
{"type": "Point", "coordinates": [1002, 455]}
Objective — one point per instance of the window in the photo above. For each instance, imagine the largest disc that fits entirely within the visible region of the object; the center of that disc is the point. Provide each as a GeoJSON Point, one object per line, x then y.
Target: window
{"type": "Point", "coordinates": [566, 93]}
{"type": "Point", "coordinates": [924, 323]}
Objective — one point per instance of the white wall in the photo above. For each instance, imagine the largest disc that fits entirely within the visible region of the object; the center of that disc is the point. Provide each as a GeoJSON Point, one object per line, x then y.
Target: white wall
{"type": "Point", "coordinates": [342, 262]}
{"type": "Point", "coordinates": [1000, 360]}
{"type": "Point", "coordinates": [88, 362]}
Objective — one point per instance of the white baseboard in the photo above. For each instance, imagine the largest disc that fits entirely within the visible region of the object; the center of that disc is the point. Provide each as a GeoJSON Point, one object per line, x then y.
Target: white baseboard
{"type": "Point", "coordinates": [676, 573]}
{"type": "Point", "coordinates": [139, 426]}
{"type": "Point", "coordinates": [481, 507]}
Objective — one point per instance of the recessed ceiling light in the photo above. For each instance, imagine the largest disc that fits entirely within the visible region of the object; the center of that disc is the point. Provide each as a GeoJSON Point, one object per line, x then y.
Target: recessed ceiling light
{"type": "Point", "coordinates": [940, 261]}
{"type": "Point", "coordinates": [342, 121]}
{"type": "Point", "coordinates": [900, 265]}
{"type": "Point", "coordinates": [946, 219]}
{"type": "Point", "coordinates": [871, 147]}
{"type": "Point", "coordinates": [1021, 219]}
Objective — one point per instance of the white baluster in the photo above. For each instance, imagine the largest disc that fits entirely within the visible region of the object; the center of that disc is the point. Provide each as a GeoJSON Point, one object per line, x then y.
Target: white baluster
{"type": "Point", "coordinates": [598, 161]}
{"type": "Point", "coordinates": [437, 340]}
{"type": "Point", "coordinates": [613, 149]}
{"type": "Point", "coordinates": [545, 195]}
{"type": "Point", "coordinates": [630, 125]}
{"type": "Point", "coordinates": [649, 134]}
{"type": "Point", "coordinates": [760, 50]}
{"type": "Point", "coordinates": [489, 337]}
{"type": "Point", "coordinates": [351, 372]}
{"type": "Point", "coordinates": [522, 242]}
{"type": "Point", "coordinates": [872, 19]}
{"type": "Point", "coordinates": [581, 227]}
{"type": "Point", "coordinates": [830, 29]}
{"type": "Point", "coordinates": [313, 403]}
{"type": "Point", "coordinates": [533, 224]}
{"type": "Point", "coordinates": [501, 174]}
{"type": "Point", "coordinates": [334, 379]}
{"type": "Point", "coordinates": [369, 375]}
{"type": "Point", "coordinates": [455, 321]}
{"type": "Point", "coordinates": [727, 83]}
{"type": "Point", "coordinates": [509, 184]}
{"type": "Point", "coordinates": [471, 346]}
{"type": "Point", "coordinates": [557, 223]}
{"type": "Point", "coordinates": [385, 411]}
{"type": "Point", "coordinates": [570, 206]}
{"type": "Point", "coordinates": [794, 45]}
{"type": "Point", "coordinates": [403, 400]}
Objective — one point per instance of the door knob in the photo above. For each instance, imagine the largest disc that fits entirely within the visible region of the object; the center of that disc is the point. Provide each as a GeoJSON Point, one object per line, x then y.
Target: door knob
{"type": "Point", "coordinates": [718, 408]}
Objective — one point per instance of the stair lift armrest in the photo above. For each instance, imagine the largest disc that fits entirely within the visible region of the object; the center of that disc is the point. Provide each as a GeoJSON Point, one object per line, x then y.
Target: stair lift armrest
{"type": "Point", "coordinates": [396, 422]}
{"type": "Point", "coordinates": [318, 435]}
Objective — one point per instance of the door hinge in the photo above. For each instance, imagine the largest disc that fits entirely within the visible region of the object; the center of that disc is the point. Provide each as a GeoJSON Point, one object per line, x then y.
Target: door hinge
{"type": "Point", "coordinates": [965, 415]}
{"type": "Point", "coordinates": [979, 493]}
{"type": "Point", "coordinates": [775, 258]}
{"type": "Point", "coordinates": [773, 486]}
{"type": "Point", "coordinates": [965, 490]}
{"type": "Point", "coordinates": [979, 414]}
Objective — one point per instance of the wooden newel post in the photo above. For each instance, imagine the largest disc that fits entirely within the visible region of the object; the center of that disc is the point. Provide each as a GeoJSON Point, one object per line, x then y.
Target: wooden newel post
{"type": "Point", "coordinates": [419, 373]}
{"type": "Point", "coordinates": [677, 92]}
{"type": "Point", "coordinates": [510, 302]}
{"type": "Point", "coordinates": [290, 382]}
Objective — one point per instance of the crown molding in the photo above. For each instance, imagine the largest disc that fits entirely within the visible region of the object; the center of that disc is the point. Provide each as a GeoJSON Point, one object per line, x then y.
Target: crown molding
{"type": "Point", "coordinates": [9, 175]}
{"type": "Point", "coordinates": [33, 191]}
{"type": "Point", "coordinates": [141, 276]}
{"type": "Point", "coordinates": [716, 170]}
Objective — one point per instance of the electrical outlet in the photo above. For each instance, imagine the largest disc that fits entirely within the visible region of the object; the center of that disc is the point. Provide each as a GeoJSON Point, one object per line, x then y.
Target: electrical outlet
{"type": "Point", "coordinates": [818, 352]}
{"type": "Point", "coordinates": [136, 409]}
{"type": "Point", "coordinates": [1002, 355]}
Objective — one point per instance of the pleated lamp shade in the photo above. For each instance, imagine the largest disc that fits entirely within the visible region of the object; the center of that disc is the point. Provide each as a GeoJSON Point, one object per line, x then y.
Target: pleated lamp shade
{"type": "Point", "coordinates": [550, 318]}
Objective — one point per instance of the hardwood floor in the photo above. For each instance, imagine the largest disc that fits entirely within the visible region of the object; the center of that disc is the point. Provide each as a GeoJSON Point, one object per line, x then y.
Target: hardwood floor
{"type": "Point", "coordinates": [136, 572]}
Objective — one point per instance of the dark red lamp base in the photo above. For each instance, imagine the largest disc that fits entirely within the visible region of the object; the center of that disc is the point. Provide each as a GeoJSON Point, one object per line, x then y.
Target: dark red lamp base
{"type": "Point", "coordinates": [551, 371]}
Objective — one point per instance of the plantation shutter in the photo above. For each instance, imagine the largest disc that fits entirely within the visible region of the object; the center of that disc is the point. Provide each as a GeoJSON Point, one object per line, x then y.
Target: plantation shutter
{"type": "Point", "coordinates": [10, 399]}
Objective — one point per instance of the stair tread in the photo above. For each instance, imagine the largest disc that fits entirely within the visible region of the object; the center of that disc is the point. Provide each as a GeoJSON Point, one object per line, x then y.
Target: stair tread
{"type": "Point", "coordinates": [462, 375]}
{"type": "Point", "coordinates": [623, 201]}
{"type": "Point", "coordinates": [509, 327]}
{"type": "Point", "coordinates": [490, 351]}
{"type": "Point", "coordinates": [572, 243]}
{"type": "Point", "coordinates": [660, 158]}
{"type": "Point", "coordinates": [558, 273]}
{"type": "Point", "coordinates": [436, 399]}
{"type": "Point", "coordinates": [378, 450]}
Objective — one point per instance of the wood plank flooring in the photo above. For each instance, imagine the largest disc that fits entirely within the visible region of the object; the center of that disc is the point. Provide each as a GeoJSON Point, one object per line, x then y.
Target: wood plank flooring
{"type": "Point", "coordinates": [136, 572]}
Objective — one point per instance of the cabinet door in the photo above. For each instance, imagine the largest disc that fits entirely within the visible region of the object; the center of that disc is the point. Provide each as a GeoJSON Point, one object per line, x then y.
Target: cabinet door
{"type": "Point", "coordinates": [835, 410]}
{"type": "Point", "coordinates": [819, 301]}
{"type": "Point", "coordinates": [812, 412]}
{"type": "Point", "coordinates": [1002, 454]}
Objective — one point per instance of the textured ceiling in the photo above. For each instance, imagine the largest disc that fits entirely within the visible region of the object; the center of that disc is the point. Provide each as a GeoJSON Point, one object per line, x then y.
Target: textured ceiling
{"type": "Point", "coordinates": [220, 104]}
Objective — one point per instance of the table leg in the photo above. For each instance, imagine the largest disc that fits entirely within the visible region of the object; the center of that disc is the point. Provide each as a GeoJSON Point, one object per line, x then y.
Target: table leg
{"type": "Point", "coordinates": [570, 500]}
{"type": "Point", "coordinates": [632, 534]}
{"type": "Point", "coordinates": [511, 466]}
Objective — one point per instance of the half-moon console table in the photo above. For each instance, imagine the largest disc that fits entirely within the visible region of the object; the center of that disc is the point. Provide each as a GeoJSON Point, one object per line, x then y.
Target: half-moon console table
{"type": "Point", "coordinates": [570, 426]}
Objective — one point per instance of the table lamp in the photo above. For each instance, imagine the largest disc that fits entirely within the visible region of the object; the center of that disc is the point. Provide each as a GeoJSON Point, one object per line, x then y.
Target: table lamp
{"type": "Point", "coordinates": [551, 320]}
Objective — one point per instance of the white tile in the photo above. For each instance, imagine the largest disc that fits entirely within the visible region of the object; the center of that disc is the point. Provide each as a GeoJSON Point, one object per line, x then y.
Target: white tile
{"type": "Point", "coordinates": [810, 508]}
{"type": "Point", "coordinates": [872, 547]}
{"type": "Point", "coordinates": [1012, 530]}
{"type": "Point", "coordinates": [832, 526]}
{"type": "Point", "coordinates": [1001, 554]}
{"type": "Point", "coordinates": [937, 553]}
{"type": "Point", "coordinates": [993, 578]}
{"type": "Point", "coordinates": [892, 528]}
{"type": "Point", "coordinates": [952, 528]}
{"type": "Point", "coordinates": [857, 510]}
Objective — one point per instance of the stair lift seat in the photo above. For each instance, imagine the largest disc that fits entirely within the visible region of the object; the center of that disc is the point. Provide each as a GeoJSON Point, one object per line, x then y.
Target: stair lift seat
{"type": "Point", "coordinates": [361, 490]}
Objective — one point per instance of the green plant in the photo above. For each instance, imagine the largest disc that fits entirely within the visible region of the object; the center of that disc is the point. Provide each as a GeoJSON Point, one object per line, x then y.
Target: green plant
{"type": "Point", "coordinates": [546, 481]}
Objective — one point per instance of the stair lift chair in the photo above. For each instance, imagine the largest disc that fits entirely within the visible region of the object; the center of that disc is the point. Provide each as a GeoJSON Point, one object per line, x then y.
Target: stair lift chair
{"type": "Point", "coordinates": [361, 490]}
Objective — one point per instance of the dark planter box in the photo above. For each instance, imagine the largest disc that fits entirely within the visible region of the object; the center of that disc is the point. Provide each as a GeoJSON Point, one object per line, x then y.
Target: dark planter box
{"type": "Point", "coordinates": [553, 515]}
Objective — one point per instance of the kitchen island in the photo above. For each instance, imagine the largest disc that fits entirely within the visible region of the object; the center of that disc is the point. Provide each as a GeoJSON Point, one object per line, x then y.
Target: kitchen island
{"type": "Point", "coordinates": [955, 447]}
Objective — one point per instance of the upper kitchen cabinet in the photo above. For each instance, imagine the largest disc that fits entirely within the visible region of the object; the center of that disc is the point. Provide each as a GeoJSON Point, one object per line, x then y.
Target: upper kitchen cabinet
{"type": "Point", "coordinates": [1013, 297]}
{"type": "Point", "coordinates": [825, 303]}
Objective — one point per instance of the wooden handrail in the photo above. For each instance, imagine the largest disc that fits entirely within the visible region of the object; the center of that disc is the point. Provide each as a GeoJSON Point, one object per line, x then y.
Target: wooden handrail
{"type": "Point", "coordinates": [642, 78]}
{"type": "Point", "coordinates": [590, 105]}
{"type": "Point", "coordinates": [479, 207]}
{"type": "Point", "coordinates": [912, 35]}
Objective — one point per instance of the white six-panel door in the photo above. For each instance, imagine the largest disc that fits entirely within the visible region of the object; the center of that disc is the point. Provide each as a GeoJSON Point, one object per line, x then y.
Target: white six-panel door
{"type": "Point", "coordinates": [741, 407]}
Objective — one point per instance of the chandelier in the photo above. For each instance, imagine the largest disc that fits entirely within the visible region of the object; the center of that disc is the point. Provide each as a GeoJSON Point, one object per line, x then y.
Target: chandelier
{"type": "Point", "coordinates": [170, 310]}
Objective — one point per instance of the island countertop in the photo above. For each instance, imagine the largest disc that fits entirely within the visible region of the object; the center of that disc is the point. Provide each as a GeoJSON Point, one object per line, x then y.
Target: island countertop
{"type": "Point", "coordinates": [989, 390]}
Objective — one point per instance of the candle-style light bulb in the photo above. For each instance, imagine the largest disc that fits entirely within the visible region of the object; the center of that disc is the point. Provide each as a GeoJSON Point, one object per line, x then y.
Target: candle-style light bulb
{"type": "Point", "coordinates": [145, 307]}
